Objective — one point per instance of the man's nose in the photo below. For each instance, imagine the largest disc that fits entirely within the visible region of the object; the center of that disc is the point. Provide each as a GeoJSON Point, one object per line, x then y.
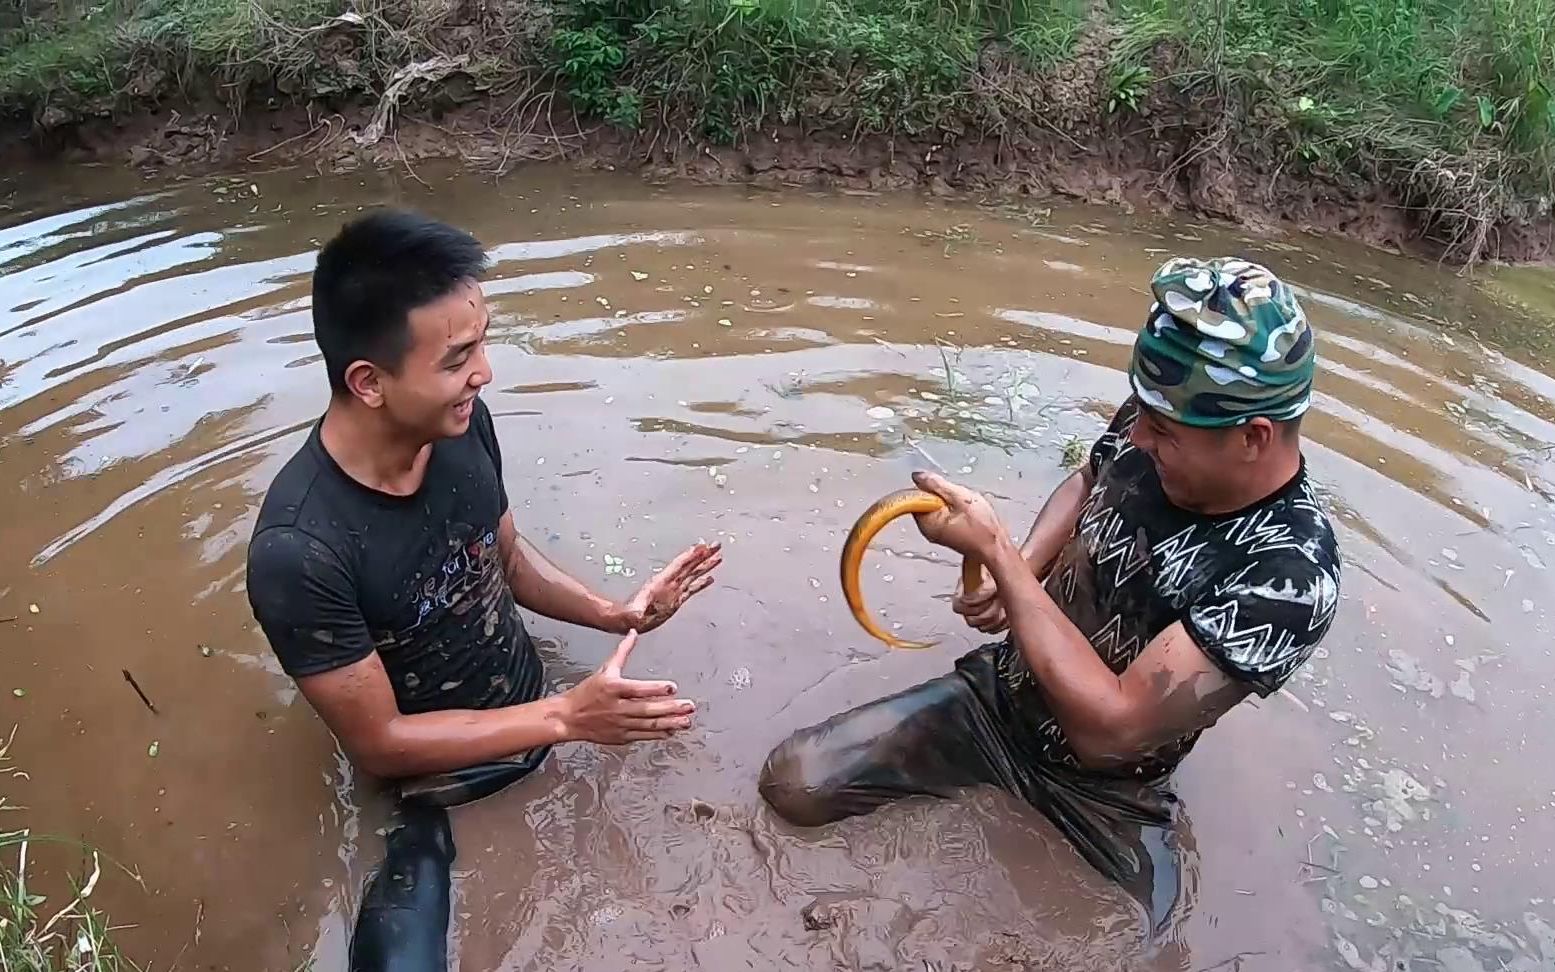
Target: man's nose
{"type": "Point", "coordinates": [480, 375]}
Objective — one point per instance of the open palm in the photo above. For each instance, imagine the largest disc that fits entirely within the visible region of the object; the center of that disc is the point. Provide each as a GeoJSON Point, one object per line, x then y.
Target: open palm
{"type": "Point", "coordinates": [658, 600]}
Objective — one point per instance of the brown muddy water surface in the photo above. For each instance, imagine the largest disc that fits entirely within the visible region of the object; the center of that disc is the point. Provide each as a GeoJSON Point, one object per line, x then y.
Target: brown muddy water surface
{"type": "Point", "coordinates": [674, 364]}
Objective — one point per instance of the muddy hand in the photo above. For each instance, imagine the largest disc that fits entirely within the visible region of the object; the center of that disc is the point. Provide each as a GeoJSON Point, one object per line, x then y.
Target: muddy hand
{"type": "Point", "coordinates": [873, 520]}
{"type": "Point", "coordinates": [965, 521]}
{"type": "Point", "coordinates": [607, 707]}
{"type": "Point", "coordinates": [981, 608]}
{"type": "Point", "coordinates": [658, 600]}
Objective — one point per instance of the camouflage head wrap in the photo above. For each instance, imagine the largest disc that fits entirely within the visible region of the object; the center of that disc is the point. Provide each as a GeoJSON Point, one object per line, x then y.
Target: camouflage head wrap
{"type": "Point", "coordinates": [1226, 341]}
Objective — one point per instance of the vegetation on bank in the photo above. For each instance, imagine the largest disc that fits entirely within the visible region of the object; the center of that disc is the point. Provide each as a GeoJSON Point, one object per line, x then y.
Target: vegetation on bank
{"type": "Point", "coordinates": [37, 935]}
{"type": "Point", "coordinates": [1449, 103]}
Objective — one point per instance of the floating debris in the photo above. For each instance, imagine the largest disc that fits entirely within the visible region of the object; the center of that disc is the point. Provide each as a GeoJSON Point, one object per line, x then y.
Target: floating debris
{"type": "Point", "coordinates": [1407, 670]}
{"type": "Point", "coordinates": [880, 412]}
{"type": "Point", "coordinates": [639, 276]}
{"type": "Point", "coordinates": [153, 749]}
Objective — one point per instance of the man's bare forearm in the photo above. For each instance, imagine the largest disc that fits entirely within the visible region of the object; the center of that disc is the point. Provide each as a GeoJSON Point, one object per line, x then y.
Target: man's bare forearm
{"type": "Point", "coordinates": [543, 587]}
{"type": "Point", "coordinates": [437, 742]}
{"type": "Point", "coordinates": [1055, 522]}
{"type": "Point", "coordinates": [1085, 696]}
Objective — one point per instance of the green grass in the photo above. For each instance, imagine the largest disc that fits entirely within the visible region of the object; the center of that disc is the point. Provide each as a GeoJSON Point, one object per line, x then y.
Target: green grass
{"type": "Point", "coordinates": [92, 57]}
{"type": "Point", "coordinates": [1450, 104]}
{"type": "Point", "coordinates": [37, 934]}
{"type": "Point", "coordinates": [1449, 77]}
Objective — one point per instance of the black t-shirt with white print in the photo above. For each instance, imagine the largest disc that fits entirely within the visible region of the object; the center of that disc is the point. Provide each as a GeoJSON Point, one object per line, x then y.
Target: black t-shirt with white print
{"type": "Point", "coordinates": [337, 571]}
{"type": "Point", "coordinates": [1256, 589]}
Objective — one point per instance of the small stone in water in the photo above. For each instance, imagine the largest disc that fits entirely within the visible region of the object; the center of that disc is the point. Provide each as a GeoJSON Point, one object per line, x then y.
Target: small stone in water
{"type": "Point", "coordinates": [880, 412]}
{"type": "Point", "coordinates": [1368, 882]}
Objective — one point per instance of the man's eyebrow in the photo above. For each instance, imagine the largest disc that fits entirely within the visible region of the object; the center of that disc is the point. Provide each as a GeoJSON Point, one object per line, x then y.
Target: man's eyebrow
{"type": "Point", "coordinates": [459, 350]}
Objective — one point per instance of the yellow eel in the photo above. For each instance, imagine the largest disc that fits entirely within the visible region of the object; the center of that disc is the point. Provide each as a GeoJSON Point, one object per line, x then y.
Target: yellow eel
{"type": "Point", "coordinates": [874, 519]}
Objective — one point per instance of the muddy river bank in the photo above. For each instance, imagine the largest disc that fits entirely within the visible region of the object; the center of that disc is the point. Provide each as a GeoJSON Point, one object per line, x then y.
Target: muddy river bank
{"type": "Point", "coordinates": [678, 363]}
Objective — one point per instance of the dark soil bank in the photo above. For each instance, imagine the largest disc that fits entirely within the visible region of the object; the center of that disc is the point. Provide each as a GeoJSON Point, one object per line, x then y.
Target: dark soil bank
{"type": "Point", "coordinates": [1116, 102]}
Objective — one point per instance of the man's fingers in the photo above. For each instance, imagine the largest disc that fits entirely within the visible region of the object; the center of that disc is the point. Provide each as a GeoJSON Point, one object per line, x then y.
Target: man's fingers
{"type": "Point", "coordinates": [979, 597]}
{"type": "Point", "coordinates": [931, 482]}
{"type": "Point", "coordinates": [691, 557]}
{"type": "Point", "coordinates": [699, 585]}
{"type": "Point", "coordinates": [656, 708]}
{"type": "Point", "coordinates": [955, 496]}
{"type": "Point", "coordinates": [622, 653]}
{"type": "Point", "coordinates": [631, 688]}
{"type": "Point", "coordinates": [988, 622]}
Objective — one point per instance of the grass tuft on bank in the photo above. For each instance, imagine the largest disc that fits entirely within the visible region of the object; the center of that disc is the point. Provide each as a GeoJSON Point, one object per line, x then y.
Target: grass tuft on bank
{"type": "Point", "coordinates": [37, 934]}
{"type": "Point", "coordinates": [1448, 103]}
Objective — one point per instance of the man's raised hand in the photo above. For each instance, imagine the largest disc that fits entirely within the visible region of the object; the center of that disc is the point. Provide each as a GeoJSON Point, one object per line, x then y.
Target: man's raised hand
{"type": "Point", "coordinates": [609, 708]}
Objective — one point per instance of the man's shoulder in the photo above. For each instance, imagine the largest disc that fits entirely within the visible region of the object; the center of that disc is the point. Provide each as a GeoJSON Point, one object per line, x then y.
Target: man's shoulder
{"type": "Point", "coordinates": [300, 518]}
{"type": "Point", "coordinates": [1293, 523]}
{"type": "Point", "coordinates": [292, 489]}
{"type": "Point", "coordinates": [1282, 554]}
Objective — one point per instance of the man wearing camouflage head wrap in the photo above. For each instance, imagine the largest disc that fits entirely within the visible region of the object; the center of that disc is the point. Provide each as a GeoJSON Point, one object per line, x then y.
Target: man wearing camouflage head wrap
{"type": "Point", "coordinates": [1187, 565]}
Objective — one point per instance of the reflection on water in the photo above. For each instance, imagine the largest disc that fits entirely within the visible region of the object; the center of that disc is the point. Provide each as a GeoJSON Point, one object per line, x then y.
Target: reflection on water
{"type": "Point", "coordinates": [676, 364]}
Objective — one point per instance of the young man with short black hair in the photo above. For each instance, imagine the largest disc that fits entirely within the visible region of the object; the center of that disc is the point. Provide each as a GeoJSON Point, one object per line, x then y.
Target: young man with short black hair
{"type": "Point", "coordinates": [387, 573]}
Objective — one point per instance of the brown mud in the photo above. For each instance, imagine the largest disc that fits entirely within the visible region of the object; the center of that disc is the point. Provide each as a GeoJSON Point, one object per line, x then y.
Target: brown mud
{"type": "Point", "coordinates": [757, 366]}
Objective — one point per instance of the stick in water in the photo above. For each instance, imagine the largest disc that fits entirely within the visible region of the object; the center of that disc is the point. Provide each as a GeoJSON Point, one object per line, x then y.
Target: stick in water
{"type": "Point", "coordinates": [136, 686]}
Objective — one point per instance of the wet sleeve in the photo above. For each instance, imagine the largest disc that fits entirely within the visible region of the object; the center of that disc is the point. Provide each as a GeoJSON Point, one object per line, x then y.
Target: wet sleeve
{"type": "Point", "coordinates": [305, 602]}
{"type": "Point", "coordinates": [1262, 622]}
{"type": "Point", "coordinates": [486, 431]}
{"type": "Point", "coordinates": [1105, 449]}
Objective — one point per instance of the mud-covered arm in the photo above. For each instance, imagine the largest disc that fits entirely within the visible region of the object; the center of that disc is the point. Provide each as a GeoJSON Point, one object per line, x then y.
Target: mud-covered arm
{"type": "Point", "coordinates": [357, 703]}
{"type": "Point", "coordinates": [1173, 688]}
{"type": "Point", "coordinates": [543, 587]}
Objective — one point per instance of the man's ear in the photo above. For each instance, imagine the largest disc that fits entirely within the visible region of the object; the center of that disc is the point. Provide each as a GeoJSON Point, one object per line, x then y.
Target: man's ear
{"type": "Point", "coordinates": [365, 381]}
{"type": "Point", "coordinates": [1258, 435]}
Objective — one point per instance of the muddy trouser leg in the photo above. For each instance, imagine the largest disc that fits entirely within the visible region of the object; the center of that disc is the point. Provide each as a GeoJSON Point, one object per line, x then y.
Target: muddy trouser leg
{"type": "Point", "coordinates": [403, 922]}
{"type": "Point", "coordinates": [956, 731]}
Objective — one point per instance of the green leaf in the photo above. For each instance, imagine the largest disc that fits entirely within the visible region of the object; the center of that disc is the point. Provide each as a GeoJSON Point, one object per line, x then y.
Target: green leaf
{"type": "Point", "coordinates": [1487, 112]}
{"type": "Point", "coordinates": [1446, 101]}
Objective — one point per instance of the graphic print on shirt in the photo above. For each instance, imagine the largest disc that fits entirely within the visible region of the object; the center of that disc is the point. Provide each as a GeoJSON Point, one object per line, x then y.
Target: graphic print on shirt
{"type": "Point", "coordinates": [457, 576]}
{"type": "Point", "coordinates": [461, 602]}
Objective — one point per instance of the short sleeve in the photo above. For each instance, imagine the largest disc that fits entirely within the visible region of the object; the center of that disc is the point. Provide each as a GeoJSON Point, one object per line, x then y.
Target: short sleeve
{"type": "Point", "coordinates": [305, 602]}
{"type": "Point", "coordinates": [486, 431]}
{"type": "Point", "coordinates": [1105, 449]}
{"type": "Point", "coordinates": [1261, 623]}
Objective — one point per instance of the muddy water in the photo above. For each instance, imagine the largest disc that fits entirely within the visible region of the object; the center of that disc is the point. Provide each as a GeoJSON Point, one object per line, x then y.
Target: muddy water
{"type": "Point", "coordinates": [682, 364]}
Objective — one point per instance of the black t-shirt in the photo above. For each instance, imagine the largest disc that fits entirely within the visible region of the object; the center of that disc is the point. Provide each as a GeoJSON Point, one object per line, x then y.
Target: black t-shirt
{"type": "Point", "coordinates": [1256, 589]}
{"type": "Point", "coordinates": [337, 571]}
